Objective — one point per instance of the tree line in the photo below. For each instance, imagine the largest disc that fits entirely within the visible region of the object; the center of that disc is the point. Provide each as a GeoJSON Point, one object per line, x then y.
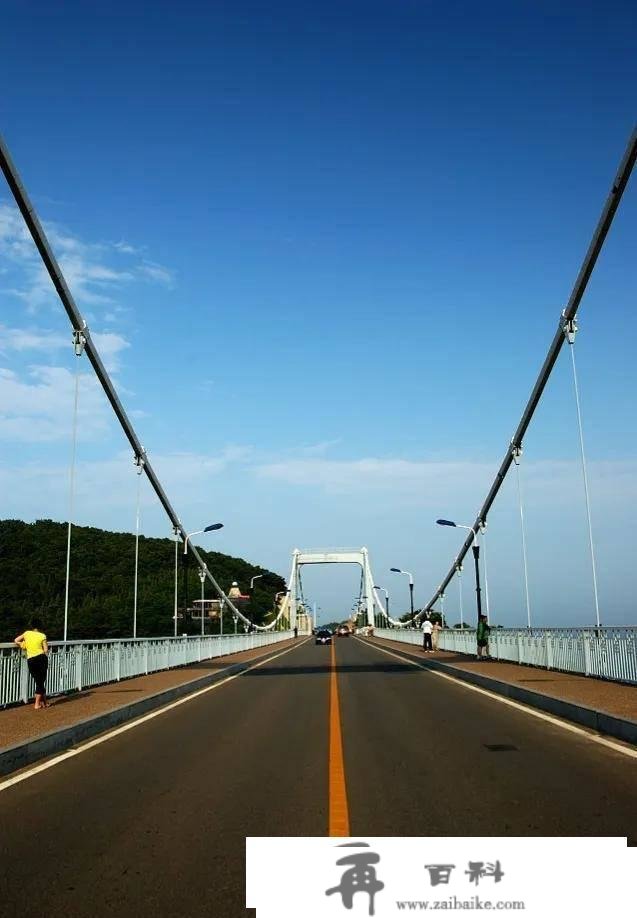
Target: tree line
{"type": "Point", "coordinates": [101, 589]}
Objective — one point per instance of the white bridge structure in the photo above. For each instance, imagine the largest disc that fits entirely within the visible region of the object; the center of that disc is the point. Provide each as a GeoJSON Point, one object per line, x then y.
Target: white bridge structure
{"type": "Point", "coordinates": [359, 556]}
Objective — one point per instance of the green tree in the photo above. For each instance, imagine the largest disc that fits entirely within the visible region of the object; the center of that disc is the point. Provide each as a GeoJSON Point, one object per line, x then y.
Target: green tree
{"type": "Point", "coordinates": [32, 581]}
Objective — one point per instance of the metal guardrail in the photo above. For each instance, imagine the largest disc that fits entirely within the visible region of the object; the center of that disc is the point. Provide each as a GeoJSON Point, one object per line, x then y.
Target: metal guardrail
{"type": "Point", "coordinates": [605, 653]}
{"type": "Point", "coordinates": [78, 665]}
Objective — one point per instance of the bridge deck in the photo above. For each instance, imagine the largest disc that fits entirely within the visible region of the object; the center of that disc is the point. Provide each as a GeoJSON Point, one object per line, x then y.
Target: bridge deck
{"type": "Point", "coordinates": [21, 724]}
{"type": "Point", "coordinates": [153, 821]}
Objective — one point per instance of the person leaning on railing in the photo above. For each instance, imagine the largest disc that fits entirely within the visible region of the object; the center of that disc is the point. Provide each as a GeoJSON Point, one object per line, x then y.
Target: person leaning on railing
{"type": "Point", "coordinates": [33, 641]}
{"type": "Point", "coordinates": [482, 637]}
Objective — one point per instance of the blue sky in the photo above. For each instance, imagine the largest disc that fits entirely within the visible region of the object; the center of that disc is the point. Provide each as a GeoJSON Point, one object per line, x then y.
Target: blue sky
{"type": "Point", "coordinates": [325, 247]}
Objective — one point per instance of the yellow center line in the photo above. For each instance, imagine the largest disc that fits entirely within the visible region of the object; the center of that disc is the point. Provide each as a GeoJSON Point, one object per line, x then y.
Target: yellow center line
{"type": "Point", "coordinates": [338, 809]}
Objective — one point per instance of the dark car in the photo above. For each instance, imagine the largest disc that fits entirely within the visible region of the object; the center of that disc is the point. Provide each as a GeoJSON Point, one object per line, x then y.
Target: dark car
{"type": "Point", "coordinates": [323, 636]}
{"type": "Point", "coordinates": [343, 631]}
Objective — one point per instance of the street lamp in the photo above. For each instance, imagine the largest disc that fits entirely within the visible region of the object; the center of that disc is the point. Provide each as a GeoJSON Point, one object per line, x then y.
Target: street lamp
{"type": "Point", "coordinates": [475, 548]}
{"type": "Point", "coordinates": [397, 570]}
{"type": "Point", "coordinates": [202, 577]}
{"type": "Point", "coordinates": [459, 572]}
{"type": "Point", "coordinates": [139, 464]}
{"type": "Point", "coordinates": [176, 532]}
{"type": "Point", "coordinates": [386, 601]}
{"type": "Point", "coordinates": [212, 528]}
{"type": "Point", "coordinates": [252, 603]}
{"type": "Point", "coordinates": [276, 598]}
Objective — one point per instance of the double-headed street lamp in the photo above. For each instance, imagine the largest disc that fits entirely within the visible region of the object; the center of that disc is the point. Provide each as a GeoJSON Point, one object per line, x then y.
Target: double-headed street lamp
{"type": "Point", "coordinates": [476, 557]}
{"type": "Point", "coordinates": [386, 601]}
{"type": "Point", "coordinates": [212, 528]}
{"type": "Point", "coordinates": [397, 570]}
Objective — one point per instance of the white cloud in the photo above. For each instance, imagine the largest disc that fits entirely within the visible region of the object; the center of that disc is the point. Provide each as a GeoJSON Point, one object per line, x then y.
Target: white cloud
{"type": "Point", "coordinates": [90, 277]}
{"type": "Point", "coordinates": [110, 345]}
{"type": "Point", "coordinates": [318, 449]}
{"type": "Point", "coordinates": [108, 485]}
{"type": "Point", "coordinates": [37, 407]}
{"type": "Point", "coordinates": [423, 483]}
{"type": "Point", "coordinates": [32, 339]}
{"type": "Point", "coordinates": [126, 249]}
{"type": "Point", "coordinates": [338, 476]}
{"type": "Point", "coordinates": [156, 272]}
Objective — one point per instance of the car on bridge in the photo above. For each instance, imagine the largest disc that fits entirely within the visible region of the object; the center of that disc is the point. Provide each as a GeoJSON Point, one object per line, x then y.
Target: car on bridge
{"type": "Point", "coordinates": [343, 631]}
{"type": "Point", "coordinates": [323, 636]}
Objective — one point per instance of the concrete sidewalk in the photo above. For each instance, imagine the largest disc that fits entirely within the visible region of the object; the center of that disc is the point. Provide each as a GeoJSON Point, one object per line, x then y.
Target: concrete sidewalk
{"type": "Point", "coordinates": [609, 707]}
{"type": "Point", "coordinates": [24, 725]}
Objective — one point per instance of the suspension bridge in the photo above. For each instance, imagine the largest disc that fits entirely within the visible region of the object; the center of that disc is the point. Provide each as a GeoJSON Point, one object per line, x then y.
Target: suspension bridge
{"type": "Point", "coordinates": [163, 754]}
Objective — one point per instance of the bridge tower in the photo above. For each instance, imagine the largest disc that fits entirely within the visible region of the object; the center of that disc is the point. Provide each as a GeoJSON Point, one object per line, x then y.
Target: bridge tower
{"type": "Point", "coordinates": [359, 556]}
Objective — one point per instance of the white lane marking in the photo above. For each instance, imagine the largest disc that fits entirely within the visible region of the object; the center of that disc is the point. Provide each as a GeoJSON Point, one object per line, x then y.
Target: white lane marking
{"type": "Point", "coordinates": [17, 779]}
{"type": "Point", "coordinates": [571, 728]}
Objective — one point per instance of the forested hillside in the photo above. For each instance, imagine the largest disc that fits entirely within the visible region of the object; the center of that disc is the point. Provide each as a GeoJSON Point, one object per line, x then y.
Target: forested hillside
{"type": "Point", "coordinates": [32, 580]}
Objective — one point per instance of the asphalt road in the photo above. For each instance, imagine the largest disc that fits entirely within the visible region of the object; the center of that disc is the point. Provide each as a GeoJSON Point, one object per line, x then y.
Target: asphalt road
{"type": "Point", "coordinates": [153, 822]}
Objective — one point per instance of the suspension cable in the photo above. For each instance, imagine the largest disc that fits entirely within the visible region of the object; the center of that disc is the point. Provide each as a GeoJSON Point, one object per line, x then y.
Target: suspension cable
{"type": "Point", "coordinates": [590, 259]}
{"type": "Point", "coordinates": [54, 271]}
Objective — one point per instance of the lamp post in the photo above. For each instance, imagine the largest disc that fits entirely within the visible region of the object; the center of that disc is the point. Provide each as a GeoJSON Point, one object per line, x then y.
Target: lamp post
{"type": "Point", "coordinates": [397, 570]}
{"type": "Point", "coordinates": [139, 464]}
{"type": "Point", "coordinates": [276, 599]}
{"type": "Point", "coordinates": [386, 592]}
{"type": "Point", "coordinates": [459, 571]}
{"type": "Point", "coordinates": [176, 532]}
{"type": "Point", "coordinates": [252, 605]}
{"type": "Point", "coordinates": [212, 528]}
{"type": "Point", "coordinates": [202, 577]}
{"type": "Point", "coordinates": [475, 548]}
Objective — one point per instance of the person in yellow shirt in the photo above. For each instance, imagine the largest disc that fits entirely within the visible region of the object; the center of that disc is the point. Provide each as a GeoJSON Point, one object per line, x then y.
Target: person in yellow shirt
{"type": "Point", "coordinates": [33, 641]}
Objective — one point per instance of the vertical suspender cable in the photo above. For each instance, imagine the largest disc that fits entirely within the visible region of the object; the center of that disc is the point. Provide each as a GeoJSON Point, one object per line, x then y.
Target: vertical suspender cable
{"type": "Point", "coordinates": [78, 342]}
{"type": "Point", "coordinates": [139, 462]}
{"type": "Point", "coordinates": [486, 573]}
{"type": "Point", "coordinates": [570, 329]}
{"type": "Point", "coordinates": [459, 569]}
{"type": "Point", "coordinates": [517, 452]}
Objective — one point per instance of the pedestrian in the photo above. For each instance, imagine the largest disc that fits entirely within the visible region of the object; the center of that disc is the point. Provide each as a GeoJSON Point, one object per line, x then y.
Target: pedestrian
{"type": "Point", "coordinates": [436, 634]}
{"type": "Point", "coordinates": [482, 637]}
{"type": "Point", "coordinates": [296, 632]}
{"type": "Point", "coordinates": [33, 641]}
{"type": "Point", "coordinates": [427, 631]}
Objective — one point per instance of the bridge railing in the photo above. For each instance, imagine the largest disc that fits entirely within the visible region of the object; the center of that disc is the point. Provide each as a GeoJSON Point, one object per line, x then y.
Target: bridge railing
{"type": "Point", "coordinates": [606, 653]}
{"type": "Point", "coordinates": [78, 665]}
